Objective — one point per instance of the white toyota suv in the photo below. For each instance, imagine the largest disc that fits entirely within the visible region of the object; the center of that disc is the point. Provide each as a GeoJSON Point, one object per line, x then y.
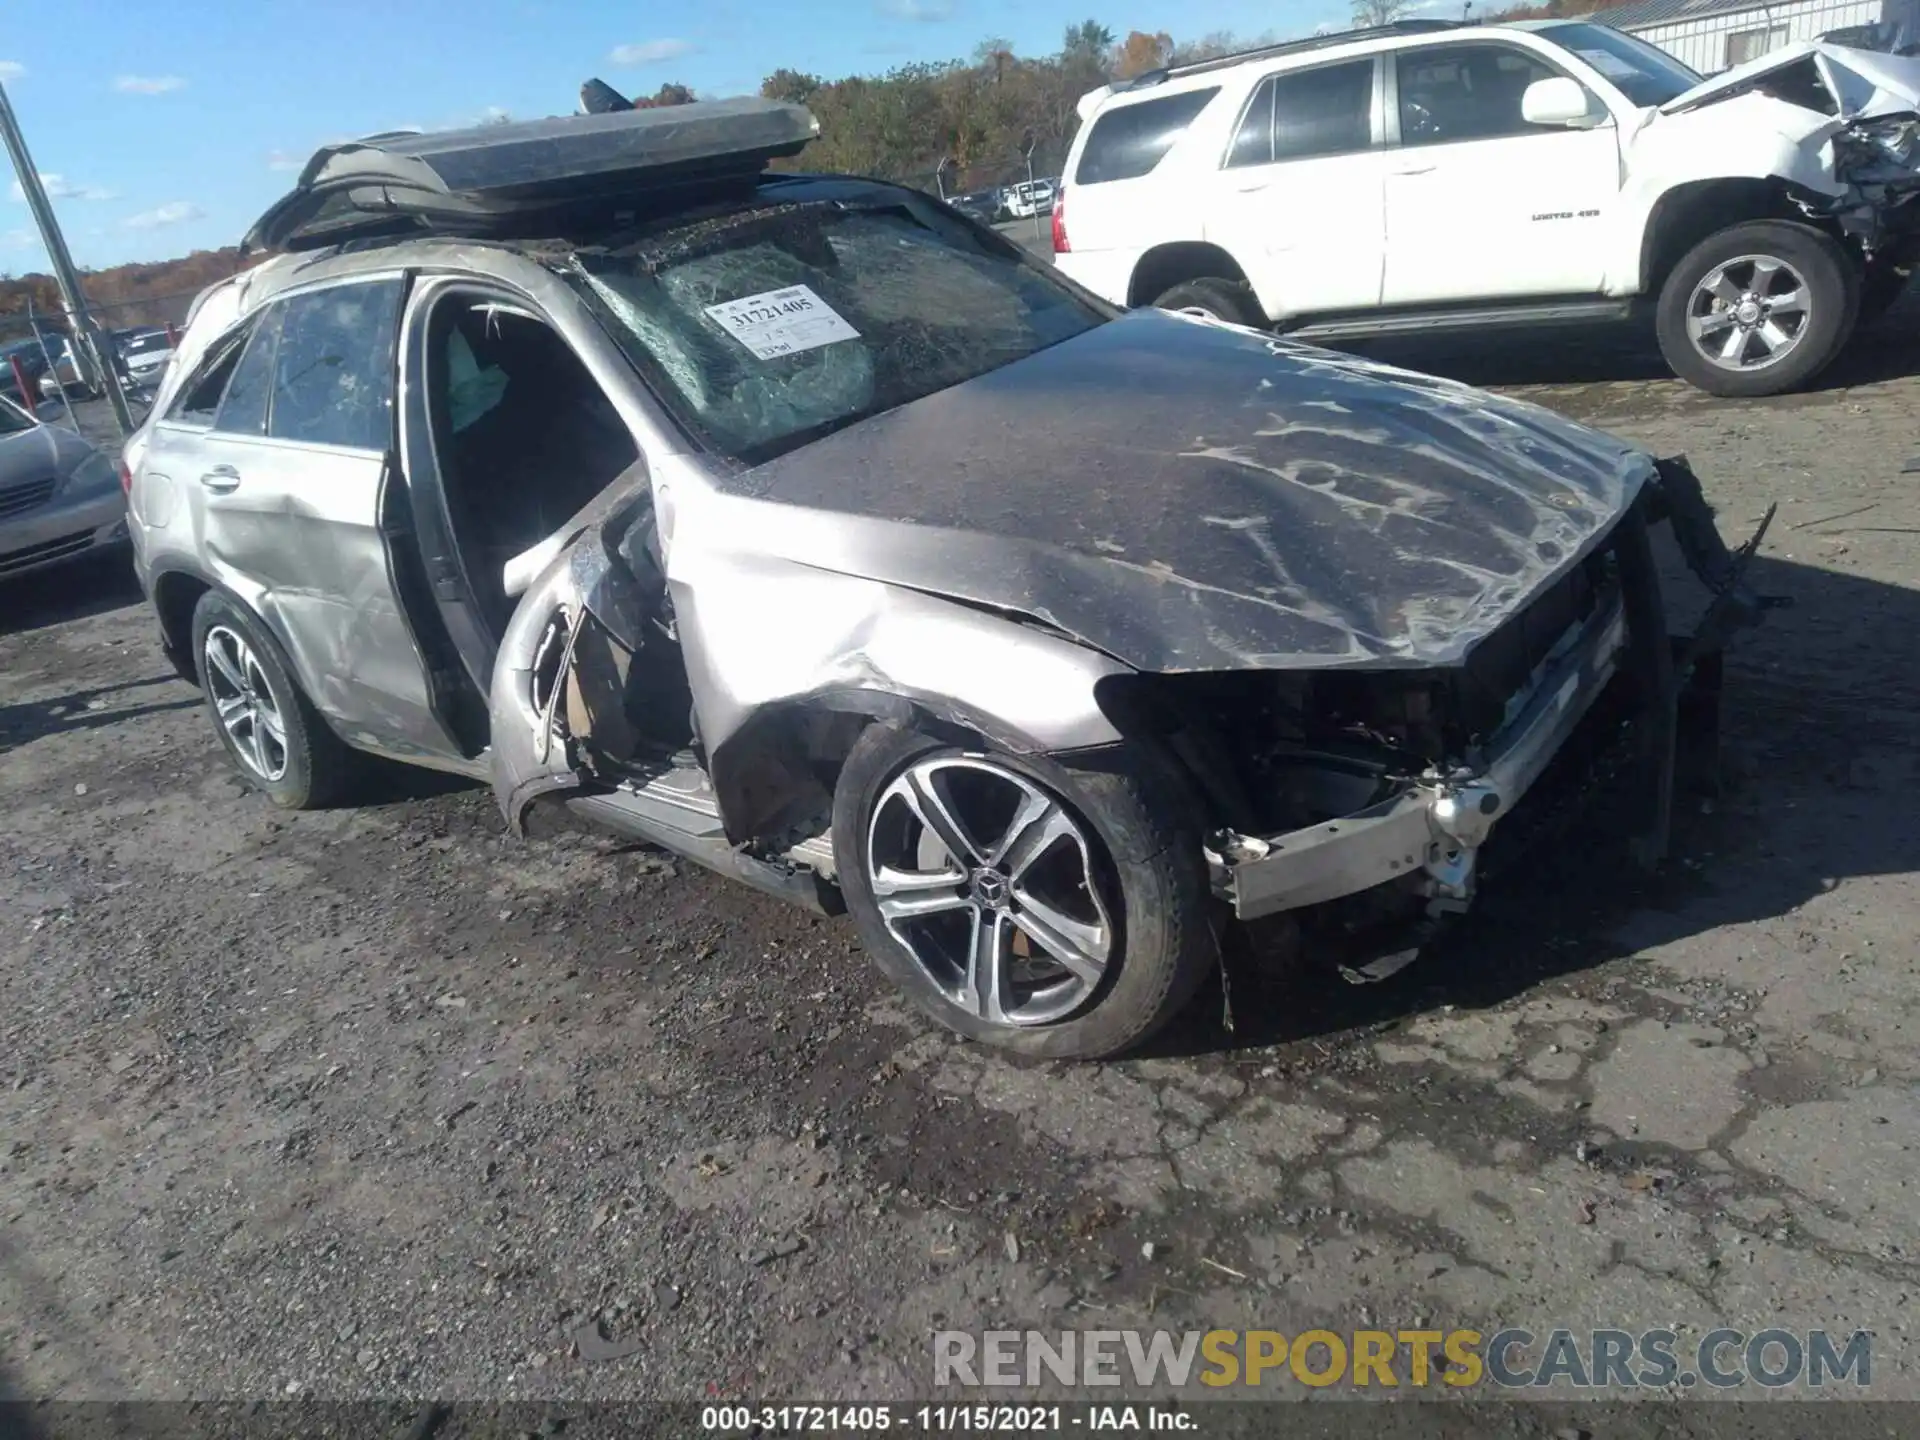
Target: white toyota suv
{"type": "Point", "coordinates": [1427, 176]}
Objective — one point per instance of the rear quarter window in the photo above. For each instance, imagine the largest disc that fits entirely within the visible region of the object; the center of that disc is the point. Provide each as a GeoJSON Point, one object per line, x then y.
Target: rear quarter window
{"type": "Point", "coordinates": [1127, 141]}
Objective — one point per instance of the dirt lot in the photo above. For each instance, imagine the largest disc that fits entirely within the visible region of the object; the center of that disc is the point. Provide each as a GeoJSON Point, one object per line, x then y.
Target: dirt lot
{"type": "Point", "coordinates": [379, 1102]}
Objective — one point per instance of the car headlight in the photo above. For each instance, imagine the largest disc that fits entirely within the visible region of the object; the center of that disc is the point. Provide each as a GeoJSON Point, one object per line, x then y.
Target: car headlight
{"type": "Point", "coordinates": [96, 472]}
{"type": "Point", "coordinates": [1895, 137]}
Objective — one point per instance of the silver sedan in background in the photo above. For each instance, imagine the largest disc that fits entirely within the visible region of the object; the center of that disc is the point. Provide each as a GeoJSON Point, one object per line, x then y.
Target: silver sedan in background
{"type": "Point", "coordinates": [60, 498]}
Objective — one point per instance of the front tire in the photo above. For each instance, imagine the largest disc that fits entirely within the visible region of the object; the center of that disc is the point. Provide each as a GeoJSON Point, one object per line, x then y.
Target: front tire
{"type": "Point", "coordinates": [272, 734]}
{"type": "Point", "coordinates": [1758, 309]}
{"type": "Point", "coordinates": [1216, 299]}
{"type": "Point", "coordinates": [1055, 913]}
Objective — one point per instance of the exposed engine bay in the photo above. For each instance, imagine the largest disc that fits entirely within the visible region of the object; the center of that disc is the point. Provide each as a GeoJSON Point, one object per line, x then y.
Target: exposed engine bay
{"type": "Point", "coordinates": [1365, 792]}
{"type": "Point", "coordinates": [1872, 105]}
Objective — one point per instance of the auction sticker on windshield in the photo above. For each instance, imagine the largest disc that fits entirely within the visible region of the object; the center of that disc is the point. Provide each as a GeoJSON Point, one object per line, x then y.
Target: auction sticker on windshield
{"type": "Point", "coordinates": [1608, 64]}
{"type": "Point", "coordinates": [782, 322]}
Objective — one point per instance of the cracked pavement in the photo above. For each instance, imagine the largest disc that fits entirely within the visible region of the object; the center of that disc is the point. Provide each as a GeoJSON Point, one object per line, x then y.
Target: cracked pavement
{"type": "Point", "coordinates": [378, 1102]}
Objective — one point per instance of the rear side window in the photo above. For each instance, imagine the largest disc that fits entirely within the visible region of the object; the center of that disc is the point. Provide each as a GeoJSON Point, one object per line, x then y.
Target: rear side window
{"type": "Point", "coordinates": [243, 411]}
{"type": "Point", "coordinates": [1305, 113]}
{"type": "Point", "coordinates": [1129, 140]}
{"type": "Point", "coordinates": [333, 368]}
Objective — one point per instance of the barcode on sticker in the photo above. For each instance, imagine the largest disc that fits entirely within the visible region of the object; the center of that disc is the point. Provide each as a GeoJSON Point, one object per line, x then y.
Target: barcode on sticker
{"type": "Point", "coordinates": [782, 322]}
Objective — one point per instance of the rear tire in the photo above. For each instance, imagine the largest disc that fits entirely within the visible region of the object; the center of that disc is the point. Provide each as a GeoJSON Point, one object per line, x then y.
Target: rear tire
{"type": "Point", "coordinates": [1110, 865]}
{"type": "Point", "coordinates": [272, 734]}
{"type": "Point", "coordinates": [1800, 288]}
{"type": "Point", "coordinates": [1217, 299]}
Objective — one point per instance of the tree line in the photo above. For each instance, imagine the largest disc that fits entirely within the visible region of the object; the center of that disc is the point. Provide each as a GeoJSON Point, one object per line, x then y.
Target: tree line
{"type": "Point", "coordinates": [970, 122]}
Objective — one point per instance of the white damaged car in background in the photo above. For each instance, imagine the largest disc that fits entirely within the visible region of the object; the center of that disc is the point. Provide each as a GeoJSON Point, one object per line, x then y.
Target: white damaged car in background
{"type": "Point", "coordinates": [1429, 177]}
{"type": "Point", "coordinates": [1837, 130]}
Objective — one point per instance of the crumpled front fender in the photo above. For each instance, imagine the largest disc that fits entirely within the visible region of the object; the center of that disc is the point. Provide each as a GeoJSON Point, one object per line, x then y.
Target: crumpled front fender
{"type": "Point", "coordinates": [765, 639]}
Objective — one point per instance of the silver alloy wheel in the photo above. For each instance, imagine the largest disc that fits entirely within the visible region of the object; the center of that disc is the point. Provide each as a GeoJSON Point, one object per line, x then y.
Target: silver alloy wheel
{"type": "Point", "coordinates": [988, 882]}
{"type": "Point", "coordinates": [1748, 313]}
{"type": "Point", "coordinates": [244, 698]}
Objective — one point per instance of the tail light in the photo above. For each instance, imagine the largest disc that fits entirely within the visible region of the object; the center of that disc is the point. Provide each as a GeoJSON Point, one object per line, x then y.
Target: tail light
{"type": "Point", "coordinates": [126, 476]}
{"type": "Point", "coordinates": [1060, 245]}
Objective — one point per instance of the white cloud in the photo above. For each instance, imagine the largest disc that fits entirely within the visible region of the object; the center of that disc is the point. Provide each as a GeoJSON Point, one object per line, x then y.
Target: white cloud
{"type": "Point", "coordinates": [280, 160]}
{"type": "Point", "coordinates": [927, 10]}
{"type": "Point", "coordinates": [58, 187]}
{"type": "Point", "coordinates": [19, 239]}
{"type": "Point", "coordinates": [11, 70]}
{"type": "Point", "coordinates": [174, 212]}
{"type": "Point", "coordinates": [147, 84]}
{"type": "Point", "coordinates": [649, 52]}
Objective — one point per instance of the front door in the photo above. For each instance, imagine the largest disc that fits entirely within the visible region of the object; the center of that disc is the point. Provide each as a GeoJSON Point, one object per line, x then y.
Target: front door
{"type": "Point", "coordinates": [1480, 204]}
{"type": "Point", "coordinates": [290, 480]}
{"type": "Point", "coordinates": [1298, 198]}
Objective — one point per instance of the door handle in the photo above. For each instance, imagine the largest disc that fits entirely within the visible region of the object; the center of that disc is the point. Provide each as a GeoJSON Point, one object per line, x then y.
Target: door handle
{"type": "Point", "coordinates": [221, 479]}
{"type": "Point", "coordinates": [1414, 170]}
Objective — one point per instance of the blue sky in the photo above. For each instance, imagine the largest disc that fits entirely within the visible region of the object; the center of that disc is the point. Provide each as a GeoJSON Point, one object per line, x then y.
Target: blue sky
{"type": "Point", "coordinates": [171, 124]}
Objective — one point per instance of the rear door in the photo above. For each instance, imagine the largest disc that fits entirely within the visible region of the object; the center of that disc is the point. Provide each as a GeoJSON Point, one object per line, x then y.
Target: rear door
{"type": "Point", "coordinates": [294, 474]}
{"type": "Point", "coordinates": [1298, 199]}
{"type": "Point", "coordinates": [1480, 203]}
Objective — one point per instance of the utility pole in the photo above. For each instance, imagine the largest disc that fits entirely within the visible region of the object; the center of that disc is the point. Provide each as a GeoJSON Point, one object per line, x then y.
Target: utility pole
{"type": "Point", "coordinates": [79, 323]}
{"type": "Point", "coordinates": [1026, 153]}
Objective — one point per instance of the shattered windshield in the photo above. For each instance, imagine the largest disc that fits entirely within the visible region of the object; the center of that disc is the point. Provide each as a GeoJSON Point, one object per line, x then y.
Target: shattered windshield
{"type": "Point", "coordinates": [769, 328]}
{"type": "Point", "coordinates": [1643, 73]}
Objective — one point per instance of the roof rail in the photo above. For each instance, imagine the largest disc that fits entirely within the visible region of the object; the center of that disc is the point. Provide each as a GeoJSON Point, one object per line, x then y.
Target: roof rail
{"type": "Point", "coordinates": [1286, 47]}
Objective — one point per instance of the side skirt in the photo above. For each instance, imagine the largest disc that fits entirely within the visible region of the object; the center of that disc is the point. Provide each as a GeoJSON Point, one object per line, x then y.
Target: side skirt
{"type": "Point", "coordinates": [676, 822]}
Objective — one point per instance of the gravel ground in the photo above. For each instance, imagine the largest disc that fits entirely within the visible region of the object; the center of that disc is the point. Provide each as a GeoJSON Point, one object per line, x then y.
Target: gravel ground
{"type": "Point", "coordinates": [378, 1102]}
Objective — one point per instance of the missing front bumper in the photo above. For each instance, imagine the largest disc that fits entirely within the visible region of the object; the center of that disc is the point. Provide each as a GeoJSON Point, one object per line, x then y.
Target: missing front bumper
{"type": "Point", "coordinates": [1429, 835]}
{"type": "Point", "coordinates": [1431, 830]}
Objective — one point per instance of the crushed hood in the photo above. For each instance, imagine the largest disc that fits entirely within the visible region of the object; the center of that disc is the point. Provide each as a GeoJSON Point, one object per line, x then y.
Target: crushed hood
{"type": "Point", "coordinates": [1186, 495]}
{"type": "Point", "coordinates": [1865, 84]}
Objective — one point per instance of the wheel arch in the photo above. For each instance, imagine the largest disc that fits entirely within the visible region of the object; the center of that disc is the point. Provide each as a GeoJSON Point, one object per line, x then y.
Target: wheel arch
{"type": "Point", "coordinates": [1164, 266]}
{"type": "Point", "coordinates": [176, 593]}
{"type": "Point", "coordinates": [178, 589]}
{"type": "Point", "coordinates": [774, 776]}
{"type": "Point", "coordinates": [1683, 215]}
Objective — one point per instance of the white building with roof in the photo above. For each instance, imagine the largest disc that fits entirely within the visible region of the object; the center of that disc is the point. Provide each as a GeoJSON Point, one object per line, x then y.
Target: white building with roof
{"type": "Point", "coordinates": [1711, 35]}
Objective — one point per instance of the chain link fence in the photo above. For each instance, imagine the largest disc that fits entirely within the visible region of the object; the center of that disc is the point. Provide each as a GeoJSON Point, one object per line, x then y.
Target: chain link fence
{"type": "Point", "coordinates": [143, 313]}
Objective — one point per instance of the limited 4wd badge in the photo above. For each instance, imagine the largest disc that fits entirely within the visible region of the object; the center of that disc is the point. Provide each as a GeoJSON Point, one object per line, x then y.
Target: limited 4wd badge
{"type": "Point", "coordinates": [782, 322]}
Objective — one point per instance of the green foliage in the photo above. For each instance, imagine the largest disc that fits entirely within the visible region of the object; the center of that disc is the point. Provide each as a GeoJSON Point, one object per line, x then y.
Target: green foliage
{"type": "Point", "coordinates": [976, 113]}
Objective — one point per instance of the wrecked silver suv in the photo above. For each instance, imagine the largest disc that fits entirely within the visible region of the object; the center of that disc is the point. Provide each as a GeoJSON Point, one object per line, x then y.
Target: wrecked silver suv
{"type": "Point", "coordinates": [808, 529]}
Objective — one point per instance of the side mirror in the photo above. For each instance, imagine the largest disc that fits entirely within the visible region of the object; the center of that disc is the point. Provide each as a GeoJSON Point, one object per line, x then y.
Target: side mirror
{"type": "Point", "coordinates": [1560, 101]}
